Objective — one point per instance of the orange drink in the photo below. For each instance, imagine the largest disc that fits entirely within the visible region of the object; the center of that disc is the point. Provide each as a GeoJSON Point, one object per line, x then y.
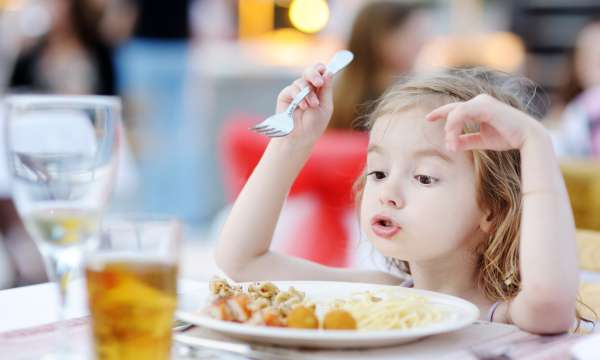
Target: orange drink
{"type": "Point", "coordinates": [132, 295]}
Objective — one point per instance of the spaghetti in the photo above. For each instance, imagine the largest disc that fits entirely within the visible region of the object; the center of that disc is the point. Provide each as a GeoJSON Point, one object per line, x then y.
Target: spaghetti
{"type": "Point", "coordinates": [390, 311]}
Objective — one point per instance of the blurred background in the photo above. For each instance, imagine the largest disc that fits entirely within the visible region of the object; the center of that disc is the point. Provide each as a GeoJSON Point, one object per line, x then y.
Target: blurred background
{"type": "Point", "coordinates": [195, 74]}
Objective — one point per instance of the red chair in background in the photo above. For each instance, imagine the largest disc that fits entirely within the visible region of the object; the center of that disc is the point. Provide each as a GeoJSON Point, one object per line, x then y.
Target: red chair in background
{"type": "Point", "coordinates": [335, 163]}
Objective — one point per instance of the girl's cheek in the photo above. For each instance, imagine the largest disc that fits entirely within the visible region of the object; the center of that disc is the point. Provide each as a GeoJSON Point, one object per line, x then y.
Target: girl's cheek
{"type": "Point", "coordinates": [367, 209]}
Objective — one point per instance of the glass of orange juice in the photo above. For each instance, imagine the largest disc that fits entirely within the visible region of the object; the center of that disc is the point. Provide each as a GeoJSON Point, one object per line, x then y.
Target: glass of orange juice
{"type": "Point", "coordinates": [132, 287]}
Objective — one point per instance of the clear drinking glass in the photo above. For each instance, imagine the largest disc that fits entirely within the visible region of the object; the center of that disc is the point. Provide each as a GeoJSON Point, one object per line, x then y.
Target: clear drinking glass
{"type": "Point", "coordinates": [132, 287]}
{"type": "Point", "coordinates": [62, 154]}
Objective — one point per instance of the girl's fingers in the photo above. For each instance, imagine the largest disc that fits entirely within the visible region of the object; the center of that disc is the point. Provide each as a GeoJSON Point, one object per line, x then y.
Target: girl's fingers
{"type": "Point", "coordinates": [453, 127]}
{"type": "Point", "coordinates": [441, 112]}
{"type": "Point", "coordinates": [313, 99]}
{"type": "Point", "coordinates": [326, 91]}
{"type": "Point", "coordinates": [300, 84]}
{"type": "Point", "coordinates": [481, 112]}
{"type": "Point", "coordinates": [470, 142]}
{"type": "Point", "coordinates": [458, 117]}
{"type": "Point", "coordinates": [287, 94]}
{"type": "Point", "coordinates": [313, 75]}
{"type": "Point", "coordinates": [455, 122]}
{"type": "Point", "coordinates": [321, 68]}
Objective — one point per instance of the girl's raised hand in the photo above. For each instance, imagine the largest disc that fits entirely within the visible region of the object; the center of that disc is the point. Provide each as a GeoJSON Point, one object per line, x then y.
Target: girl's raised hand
{"type": "Point", "coordinates": [501, 127]}
{"type": "Point", "coordinates": [313, 114]}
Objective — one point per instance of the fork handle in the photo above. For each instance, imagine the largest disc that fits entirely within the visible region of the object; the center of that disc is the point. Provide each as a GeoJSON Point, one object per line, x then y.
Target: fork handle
{"type": "Point", "coordinates": [297, 99]}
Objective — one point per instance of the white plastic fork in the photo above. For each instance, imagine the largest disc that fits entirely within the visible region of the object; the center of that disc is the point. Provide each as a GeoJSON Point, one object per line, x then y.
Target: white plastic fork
{"type": "Point", "coordinates": [282, 124]}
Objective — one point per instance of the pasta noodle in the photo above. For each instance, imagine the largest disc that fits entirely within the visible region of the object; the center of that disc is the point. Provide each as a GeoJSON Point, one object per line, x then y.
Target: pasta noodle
{"type": "Point", "coordinates": [390, 311]}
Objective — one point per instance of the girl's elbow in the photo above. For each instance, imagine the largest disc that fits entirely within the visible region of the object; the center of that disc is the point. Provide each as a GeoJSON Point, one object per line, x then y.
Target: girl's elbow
{"type": "Point", "coordinates": [234, 267]}
{"type": "Point", "coordinates": [230, 271]}
{"type": "Point", "coordinates": [553, 316]}
{"type": "Point", "coordinates": [545, 328]}
{"type": "Point", "coordinates": [226, 264]}
{"type": "Point", "coordinates": [549, 326]}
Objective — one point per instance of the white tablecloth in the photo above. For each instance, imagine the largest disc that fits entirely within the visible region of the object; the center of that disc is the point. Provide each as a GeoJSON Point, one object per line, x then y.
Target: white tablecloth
{"type": "Point", "coordinates": [36, 305]}
{"type": "Point", "coordinates": [25, 311]}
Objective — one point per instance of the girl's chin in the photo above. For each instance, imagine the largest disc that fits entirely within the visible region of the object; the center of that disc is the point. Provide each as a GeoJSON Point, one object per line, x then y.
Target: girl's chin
{"type": "Point", "coordinates": [399, 250]}
{"type": "Point", "coordinates": [389, 248]}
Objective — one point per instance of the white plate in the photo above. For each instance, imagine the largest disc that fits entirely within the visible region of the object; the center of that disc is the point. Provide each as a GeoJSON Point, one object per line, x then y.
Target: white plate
{"type": "Point", "coordinates": [459, 313]}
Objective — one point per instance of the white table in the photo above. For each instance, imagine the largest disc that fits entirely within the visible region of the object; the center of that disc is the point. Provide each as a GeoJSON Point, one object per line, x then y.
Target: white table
{"type": "Point", "coordinates": [36, 305]}
{"type": "Point", "coordinates": [30, 308]}
{"type": "Point", "coordinates": [28, 317]}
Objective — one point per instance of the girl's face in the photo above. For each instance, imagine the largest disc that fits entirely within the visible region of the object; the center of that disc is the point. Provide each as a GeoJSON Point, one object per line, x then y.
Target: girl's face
{"type": "Point", "coordinates": [419, 201]}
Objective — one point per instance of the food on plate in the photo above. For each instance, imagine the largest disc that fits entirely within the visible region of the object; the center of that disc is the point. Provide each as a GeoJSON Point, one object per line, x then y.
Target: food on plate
{"type": "Point", "coordinates": [387, 310]}
{"type": "Point", "coordinates": [303, 318]}
{"type": "Point", "coordinates": [339, 319]}
{"type": "Point", "coordinates": [263, 303]}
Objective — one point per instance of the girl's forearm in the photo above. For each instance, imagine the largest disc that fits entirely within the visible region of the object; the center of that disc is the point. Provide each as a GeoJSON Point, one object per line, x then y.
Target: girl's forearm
{"type": "Point", "coordinates": [547, 247]}
{"type": "Point", "coordinates": [248, 230]}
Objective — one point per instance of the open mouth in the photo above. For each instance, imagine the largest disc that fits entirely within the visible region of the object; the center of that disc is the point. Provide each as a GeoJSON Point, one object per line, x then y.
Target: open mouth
{"type": "Point", "coordinates": [385, 222]}
{"type": "Point", "coordinates": [384, 226]}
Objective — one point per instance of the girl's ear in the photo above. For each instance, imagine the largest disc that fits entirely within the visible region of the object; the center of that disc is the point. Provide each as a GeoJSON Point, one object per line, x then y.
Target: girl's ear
{"type": "Point", "coordinates": [486, 221]}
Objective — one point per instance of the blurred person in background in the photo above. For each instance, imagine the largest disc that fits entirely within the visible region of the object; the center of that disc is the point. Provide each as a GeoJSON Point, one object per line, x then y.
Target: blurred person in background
{"type": "Point", "coordinates": [386, 38]}
{"type": "Point", "coordinates": [72, 58]}
{"type": "Point", "coordinates": [578, 134]}
{"type": "Point", "coordinates": [152, 67]}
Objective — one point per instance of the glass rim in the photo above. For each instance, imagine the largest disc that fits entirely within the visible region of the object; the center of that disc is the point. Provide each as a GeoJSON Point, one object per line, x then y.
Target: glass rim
{"type": "Point", "coordinates": [24, 100]}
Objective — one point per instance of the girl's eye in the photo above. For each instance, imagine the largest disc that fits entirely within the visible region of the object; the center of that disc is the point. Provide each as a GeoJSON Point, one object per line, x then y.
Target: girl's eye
{"type": "Point", "coordinates": [378, 175]}
{"type": "Point", "coordinates": [425, 179]}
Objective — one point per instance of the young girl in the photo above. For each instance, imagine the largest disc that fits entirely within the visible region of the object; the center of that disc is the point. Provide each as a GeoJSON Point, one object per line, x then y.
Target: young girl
{"type": "Point", "coordinates": [461, 190]}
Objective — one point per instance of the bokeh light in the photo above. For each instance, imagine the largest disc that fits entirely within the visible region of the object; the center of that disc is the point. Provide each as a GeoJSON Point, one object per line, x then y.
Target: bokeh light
{"type": "Point", "coordinates": [309, 16]}
{"type": "Point", "coordinates": [11, 5]}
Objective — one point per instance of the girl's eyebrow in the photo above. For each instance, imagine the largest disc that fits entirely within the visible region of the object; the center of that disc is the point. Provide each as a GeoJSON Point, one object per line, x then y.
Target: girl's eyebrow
{"type": "Point", "coordinates": [431, 152]}
{"type": "Point", "coordinates": [427, 152]}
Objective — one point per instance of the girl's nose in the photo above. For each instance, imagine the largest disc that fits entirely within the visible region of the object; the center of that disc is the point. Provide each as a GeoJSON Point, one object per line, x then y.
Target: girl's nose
{"type": "Point", "coordinates": [390, 196]}
{"type": "Point", "coordinates": [393, 203]}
